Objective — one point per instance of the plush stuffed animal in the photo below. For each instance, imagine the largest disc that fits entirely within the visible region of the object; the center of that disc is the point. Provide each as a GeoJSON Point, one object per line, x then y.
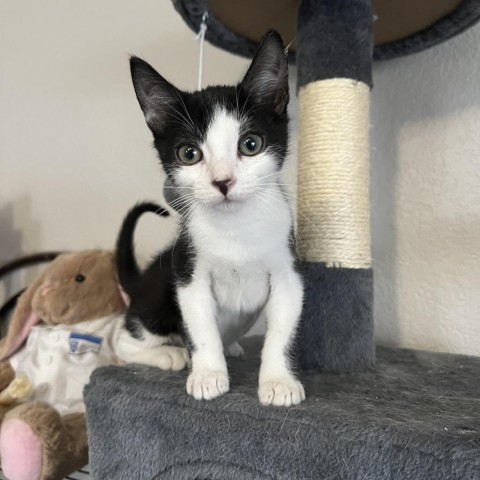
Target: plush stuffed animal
{"type": "Point", "coordinates": [70, 317]}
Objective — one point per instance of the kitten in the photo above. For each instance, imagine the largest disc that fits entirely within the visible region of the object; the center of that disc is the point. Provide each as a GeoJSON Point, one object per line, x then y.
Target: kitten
{"type": "Point", "coordinates": [222, 150]}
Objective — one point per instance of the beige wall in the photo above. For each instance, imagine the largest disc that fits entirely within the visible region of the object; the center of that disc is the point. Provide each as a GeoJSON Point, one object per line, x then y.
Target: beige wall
{"type": "Point", "coordinates": [426, 197]}
{"type": "Point", "coordinates": [75, 153]}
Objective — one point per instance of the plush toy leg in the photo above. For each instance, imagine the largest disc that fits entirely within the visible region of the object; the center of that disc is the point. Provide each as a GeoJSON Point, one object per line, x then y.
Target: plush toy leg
{"type": "Point", "coordinates": [6, 374]}
{"type": "Point", "coordinates": [334, 58]}
{"type": "Point", "coordinates": [21, 451]}
{"type": "Point", "coordinates": [19, 390]}
{"type": "Point", "coordinates": [36, 443]}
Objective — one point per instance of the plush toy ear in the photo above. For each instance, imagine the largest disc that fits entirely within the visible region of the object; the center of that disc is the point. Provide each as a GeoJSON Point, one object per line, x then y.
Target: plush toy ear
{"type": "Point", "coordinates": [23, 319]}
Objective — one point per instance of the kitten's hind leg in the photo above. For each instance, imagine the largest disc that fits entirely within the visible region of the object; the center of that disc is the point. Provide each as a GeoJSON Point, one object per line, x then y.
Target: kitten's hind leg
{"type": "Point", "coordinates": [153, 350]}
{"type": "Point", "coordinates": [165, 357]}
{"type": "Point", "coordinates": [234, 350]}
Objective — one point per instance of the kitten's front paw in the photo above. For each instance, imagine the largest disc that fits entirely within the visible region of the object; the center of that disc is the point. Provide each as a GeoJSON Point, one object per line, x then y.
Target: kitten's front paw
{"type": "Point", "coordinates": [170, 357]}
{"type": "Point", "coordinates": [281, 392]}
{"type": "Point", "coordinates": [207, 384]}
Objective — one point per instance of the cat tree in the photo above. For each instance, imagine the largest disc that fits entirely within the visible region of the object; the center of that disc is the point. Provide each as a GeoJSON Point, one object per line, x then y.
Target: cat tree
{"type": "Point", "coordinates": [333, 47]}
{"type": "Point", "coordinates": [416, 415]}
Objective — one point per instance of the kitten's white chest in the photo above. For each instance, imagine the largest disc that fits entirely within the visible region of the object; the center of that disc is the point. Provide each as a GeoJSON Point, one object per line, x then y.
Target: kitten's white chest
{"type": "Point", "coordinates": [240, 293]}
{"type": "Point", "coordinates": [240, 289]}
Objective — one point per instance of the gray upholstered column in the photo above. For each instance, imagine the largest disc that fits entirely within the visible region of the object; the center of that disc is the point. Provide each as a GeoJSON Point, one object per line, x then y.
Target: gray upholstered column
{"type": "Point", "coordinates": [334, 58]}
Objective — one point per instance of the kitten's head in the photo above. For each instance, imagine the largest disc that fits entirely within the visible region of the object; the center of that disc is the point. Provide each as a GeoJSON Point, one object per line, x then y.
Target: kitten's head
{"type": "Point", "coordinates": [222, 145]}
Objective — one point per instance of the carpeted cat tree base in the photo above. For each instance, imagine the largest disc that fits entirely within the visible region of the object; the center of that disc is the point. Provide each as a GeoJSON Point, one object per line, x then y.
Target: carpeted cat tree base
{"type": "Point", "coordinates": [416, 416]}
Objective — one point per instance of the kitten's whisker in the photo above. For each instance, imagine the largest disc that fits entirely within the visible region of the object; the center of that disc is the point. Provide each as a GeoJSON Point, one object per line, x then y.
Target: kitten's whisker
{"type": "Point", "coordinates": [180, 117]}
{"type": "Point", "coordinates": [288, 195]}
{"type": "Point", "coordinates": [269, 175]}
{"type": "Point", "coordinates": [158, 210]}
{"type": "Point", "coordinates": [181, 198]}
{"type": "Point", "coordinates": [185, 195]}
{"type": "Point", "coordinates": [281, 184]}
{"type": "Point", "coordinates": [179, 204]}
{"type": "Point", "coordinates": [183, 122]}
{"type": "Point", "coordinates": [280, 195]}
{"type": "Point", "coordinates": [236, 98]}
{"type": "Point", "coordinates": [245, 114]}
{"type": "Point", "coordinates": [189, 121]}
{"type": "Point", "coordinates": [266, 201]}
{"type": "Point", "coordinates": [195, 127]}
{"type": "Point", "coordinates": [245, 103]}
{"type": "Point", "coordinates": [292, 207]}
{"type": "Point", "coordinates": [184, 210]}
{"type": "Point", "coordinates": [181, 207]}
{"type": "Point", "coordinates": [292, 196]}
{"type": "Point", "coordinates": [281, 192]}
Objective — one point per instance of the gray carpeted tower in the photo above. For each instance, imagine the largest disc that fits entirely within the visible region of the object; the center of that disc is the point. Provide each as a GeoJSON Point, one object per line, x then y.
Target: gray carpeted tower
{"type": "Point", "coordinates": [334, 78]}
{"type": "Point", "coordinates": [416, 414]}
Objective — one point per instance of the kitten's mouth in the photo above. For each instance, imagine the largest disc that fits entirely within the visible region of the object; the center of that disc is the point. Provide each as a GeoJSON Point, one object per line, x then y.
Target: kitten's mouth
{"type": "Point", "coordinates": [229, 206]}
{"type": "Point", "coordinates": [227, 203]}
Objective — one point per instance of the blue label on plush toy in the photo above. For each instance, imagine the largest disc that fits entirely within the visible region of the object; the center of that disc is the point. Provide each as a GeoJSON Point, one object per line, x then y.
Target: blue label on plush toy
{"type": "Point", "coordinates": [83, 342]}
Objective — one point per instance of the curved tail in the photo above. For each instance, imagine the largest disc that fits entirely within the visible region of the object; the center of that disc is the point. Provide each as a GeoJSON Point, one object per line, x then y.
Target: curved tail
{"type": "Point", "coordinates": [127, 267]}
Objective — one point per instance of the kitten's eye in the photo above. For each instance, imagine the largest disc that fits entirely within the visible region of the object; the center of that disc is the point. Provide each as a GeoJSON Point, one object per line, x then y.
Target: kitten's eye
{"type": "Point", "coordinates": [250, 144]}
{"type": "Point", "coordinates": [189, 155]}
{"type": "Point", "coordinates": [80, 278]}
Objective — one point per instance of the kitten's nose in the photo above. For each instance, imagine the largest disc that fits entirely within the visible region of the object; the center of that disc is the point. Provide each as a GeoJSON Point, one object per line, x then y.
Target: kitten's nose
{"type": "Point", "coordinates": [223, 185]}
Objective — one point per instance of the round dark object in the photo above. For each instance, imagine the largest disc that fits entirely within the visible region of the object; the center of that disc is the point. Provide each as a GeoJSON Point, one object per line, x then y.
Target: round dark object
{"type": "Point", "coordinates": [401, 27]}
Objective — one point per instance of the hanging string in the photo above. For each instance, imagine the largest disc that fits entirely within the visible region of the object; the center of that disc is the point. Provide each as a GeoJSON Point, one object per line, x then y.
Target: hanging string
{"type": "Point", "coordinates": [201, 38]}
{"type": "Point", "coordinates": [289, 45]}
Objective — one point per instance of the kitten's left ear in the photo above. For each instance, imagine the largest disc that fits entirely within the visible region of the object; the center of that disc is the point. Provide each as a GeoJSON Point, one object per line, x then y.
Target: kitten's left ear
{"type": "Point", "coordinates": [266, 81]}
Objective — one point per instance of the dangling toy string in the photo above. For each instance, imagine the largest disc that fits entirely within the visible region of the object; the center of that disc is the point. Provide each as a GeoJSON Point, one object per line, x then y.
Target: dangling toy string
{"type": "Point", "coordinates": [289, 45]}
{"type": "Point", "coordinates": [201, 37]}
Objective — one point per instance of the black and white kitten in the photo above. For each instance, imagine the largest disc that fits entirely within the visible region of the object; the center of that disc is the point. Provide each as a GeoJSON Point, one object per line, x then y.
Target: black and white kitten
{"type": "Point", "coordinates": [222, 149]}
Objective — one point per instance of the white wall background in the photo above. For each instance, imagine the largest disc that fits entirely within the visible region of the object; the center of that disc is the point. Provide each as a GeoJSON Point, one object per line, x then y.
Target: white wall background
{"type": "Point", "coordinates": [425, 186]}
{"type": "Point", "coordinates": [75, 153]}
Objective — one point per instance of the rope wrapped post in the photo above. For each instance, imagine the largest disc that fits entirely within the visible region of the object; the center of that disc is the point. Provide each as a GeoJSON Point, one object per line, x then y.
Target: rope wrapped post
{"type": "Point", "coordinates": [334, 58]}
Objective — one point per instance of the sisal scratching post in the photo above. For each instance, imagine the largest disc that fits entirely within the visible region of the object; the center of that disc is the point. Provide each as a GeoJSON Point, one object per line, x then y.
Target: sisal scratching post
{"type": "Point", "coordinates": [334, 57]}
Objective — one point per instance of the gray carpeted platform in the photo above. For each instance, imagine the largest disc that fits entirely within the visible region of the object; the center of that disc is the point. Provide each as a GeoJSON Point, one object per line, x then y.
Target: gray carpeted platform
{"type": "Point", "coordinates": [416, 416]}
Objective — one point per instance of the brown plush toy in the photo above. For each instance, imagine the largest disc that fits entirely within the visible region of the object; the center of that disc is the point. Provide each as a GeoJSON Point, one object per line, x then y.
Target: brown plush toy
{"type": "Point", "coordinates": [64, 326]}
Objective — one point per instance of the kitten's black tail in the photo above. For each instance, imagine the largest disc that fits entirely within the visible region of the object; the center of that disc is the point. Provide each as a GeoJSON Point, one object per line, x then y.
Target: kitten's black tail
{"type": "Point", "coordinates": [127, 267]}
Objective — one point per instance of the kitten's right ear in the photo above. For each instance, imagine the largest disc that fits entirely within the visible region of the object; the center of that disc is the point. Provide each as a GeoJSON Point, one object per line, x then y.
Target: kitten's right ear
{"type": "Point", "coordinates": [155, 95]}
{"type": "Point", "coordinates": [266, 81]}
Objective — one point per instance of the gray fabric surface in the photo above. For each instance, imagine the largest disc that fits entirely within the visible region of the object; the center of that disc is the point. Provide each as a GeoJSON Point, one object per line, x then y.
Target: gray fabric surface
{"type": "Point", "coordinates": [344, 48]}
{"type": "Point", "coordinates": [416, 417]}
{"type": "Point", "coordinates": [336, 330]}
{"type": "Point", "coordinates": [465, 16]}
